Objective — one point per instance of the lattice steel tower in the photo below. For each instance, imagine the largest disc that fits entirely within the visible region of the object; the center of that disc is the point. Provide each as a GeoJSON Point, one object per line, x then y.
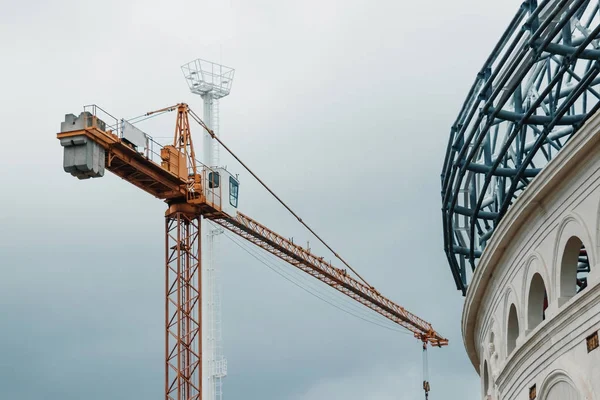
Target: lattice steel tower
{"type": "Point", "coordinates": [212, 82]}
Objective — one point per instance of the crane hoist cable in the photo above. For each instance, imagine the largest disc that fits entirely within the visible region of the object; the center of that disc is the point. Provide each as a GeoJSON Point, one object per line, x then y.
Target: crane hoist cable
{"type": "Point", "coordinates": [423, 331]}
{"type": "Point", "coordinates": [212, 134]}
{"type": "Point", "coordinates": [244, 225]}
{"type": "Point", "coordinates": [426, 386]}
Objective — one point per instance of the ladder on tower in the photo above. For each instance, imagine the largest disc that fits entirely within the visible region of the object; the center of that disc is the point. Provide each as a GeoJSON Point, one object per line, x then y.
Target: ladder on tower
{"type": "Point", "coordinates": [217, 130]}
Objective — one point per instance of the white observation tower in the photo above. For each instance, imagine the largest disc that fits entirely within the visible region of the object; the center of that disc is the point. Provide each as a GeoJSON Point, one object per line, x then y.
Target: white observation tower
{"type": "Point", "coordinates": [212, 82]}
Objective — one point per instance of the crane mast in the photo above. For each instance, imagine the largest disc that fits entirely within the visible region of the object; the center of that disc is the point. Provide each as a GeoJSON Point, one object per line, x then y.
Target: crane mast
{"type": "Point", "coordinates": [191, 192]}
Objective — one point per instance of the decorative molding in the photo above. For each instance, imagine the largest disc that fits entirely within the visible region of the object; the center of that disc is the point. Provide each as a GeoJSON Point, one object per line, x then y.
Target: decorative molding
{"type": "Point", "coordinates": [551, 339]}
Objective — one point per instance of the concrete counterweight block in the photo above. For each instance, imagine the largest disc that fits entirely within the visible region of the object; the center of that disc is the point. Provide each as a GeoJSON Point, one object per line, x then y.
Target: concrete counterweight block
{"type": "Point", "coordinates": [82, 157]}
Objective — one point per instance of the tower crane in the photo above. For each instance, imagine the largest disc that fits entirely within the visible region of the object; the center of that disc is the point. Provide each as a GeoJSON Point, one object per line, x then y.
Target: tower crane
{"type": "Point", "coordinates": [194, 192]}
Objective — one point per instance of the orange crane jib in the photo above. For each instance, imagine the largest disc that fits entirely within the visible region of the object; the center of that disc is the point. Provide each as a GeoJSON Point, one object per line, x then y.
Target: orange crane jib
{"type": "Point", "coordinates": [192, 191]}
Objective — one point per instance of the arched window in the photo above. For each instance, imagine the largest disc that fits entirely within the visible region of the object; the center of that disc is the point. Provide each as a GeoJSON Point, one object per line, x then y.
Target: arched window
{"type": "Point", "coordinates": [537, 302]}
{"type": "Point", "coordinates": [486, 379]}
{"type": "Point", "coordinates": [561, 390]}
{"type": "Point", "coordinates": [512, 332]}
{"type": "Point", "coordinates": [574, 268]}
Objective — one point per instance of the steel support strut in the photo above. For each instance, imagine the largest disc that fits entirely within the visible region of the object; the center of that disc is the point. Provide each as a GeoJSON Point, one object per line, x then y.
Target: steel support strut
{"type": "Point", "coordinates": [183, 304]}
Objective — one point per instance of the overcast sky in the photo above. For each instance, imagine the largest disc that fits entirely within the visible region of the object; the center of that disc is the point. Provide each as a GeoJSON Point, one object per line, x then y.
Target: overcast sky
{"type": "Point", "coordinates": [343, 107]}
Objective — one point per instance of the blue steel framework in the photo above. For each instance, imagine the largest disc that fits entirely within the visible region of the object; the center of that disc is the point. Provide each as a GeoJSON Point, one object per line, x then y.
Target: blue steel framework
{"type": "Point", "coordinates": [535, 90]}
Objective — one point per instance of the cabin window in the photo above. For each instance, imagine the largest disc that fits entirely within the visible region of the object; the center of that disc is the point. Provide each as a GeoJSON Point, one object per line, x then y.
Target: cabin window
{"type": "Point", "coordinates": [233, 191]}
{"type": "Point", "coordinates": [213, 180]}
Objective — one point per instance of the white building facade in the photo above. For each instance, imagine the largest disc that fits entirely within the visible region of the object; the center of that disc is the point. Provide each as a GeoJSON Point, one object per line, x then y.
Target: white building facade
{"type": "Point", "coordinates": [529, 326]}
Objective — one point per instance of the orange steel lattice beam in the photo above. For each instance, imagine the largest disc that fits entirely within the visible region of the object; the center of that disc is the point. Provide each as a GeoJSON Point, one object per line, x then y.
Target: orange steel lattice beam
{"type": "Point", "coordinates": [183, 305]}
{"type": "Point", "coordinates": [337, 278]}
